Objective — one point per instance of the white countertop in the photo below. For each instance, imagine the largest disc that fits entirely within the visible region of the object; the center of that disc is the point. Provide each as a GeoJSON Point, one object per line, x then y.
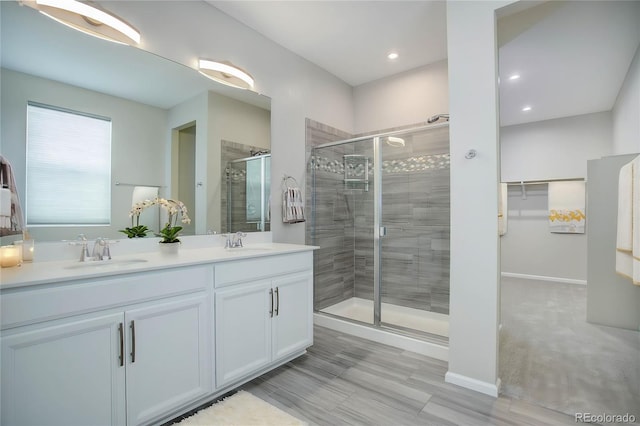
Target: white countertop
{"type": "Point", "coordinates": [36, 273]}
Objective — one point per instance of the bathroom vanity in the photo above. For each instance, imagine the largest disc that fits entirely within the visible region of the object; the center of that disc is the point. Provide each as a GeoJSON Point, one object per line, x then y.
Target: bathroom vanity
{"type": "Point", "coordinates": [143, 338]}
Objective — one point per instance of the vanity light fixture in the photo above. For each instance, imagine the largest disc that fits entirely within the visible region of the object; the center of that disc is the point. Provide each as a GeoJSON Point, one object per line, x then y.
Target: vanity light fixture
{"type": "Point", "coordinates": [88, 18]}
{"type": "Point", "coordinates": [225, 73]}
{"type": "Point", "coordinates": [527, 108]}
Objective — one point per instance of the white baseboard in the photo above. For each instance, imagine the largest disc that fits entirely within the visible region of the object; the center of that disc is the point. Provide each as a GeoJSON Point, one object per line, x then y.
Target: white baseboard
{"type": "Point", "coordinates": [544, 278]}
{"type": "Point", "coordinates": [491, 389]}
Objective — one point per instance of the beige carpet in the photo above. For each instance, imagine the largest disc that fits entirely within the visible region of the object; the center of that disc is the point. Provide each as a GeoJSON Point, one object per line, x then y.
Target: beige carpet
{"type": "Point", "coordinates": [551, 356]}
{"type": "Point", "coordinates": [241, 409]}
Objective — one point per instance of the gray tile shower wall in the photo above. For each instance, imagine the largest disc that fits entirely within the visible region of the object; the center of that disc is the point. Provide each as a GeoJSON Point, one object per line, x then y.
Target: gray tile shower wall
{"type": "Point", "coordinates": [415, 210]}
{"type": "Point", "coordinates": [331, 212]}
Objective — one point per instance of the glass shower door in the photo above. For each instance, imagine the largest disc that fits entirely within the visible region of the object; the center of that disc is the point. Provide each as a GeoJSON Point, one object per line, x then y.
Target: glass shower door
{"type": "Point", "coordinates": [342, 209]}
{"type": "Point", "coordinates": [414, 230]}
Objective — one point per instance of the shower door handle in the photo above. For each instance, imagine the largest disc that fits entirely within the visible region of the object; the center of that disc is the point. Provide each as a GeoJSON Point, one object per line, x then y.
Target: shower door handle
{"type": "Point", "coordinates": [383, 231]}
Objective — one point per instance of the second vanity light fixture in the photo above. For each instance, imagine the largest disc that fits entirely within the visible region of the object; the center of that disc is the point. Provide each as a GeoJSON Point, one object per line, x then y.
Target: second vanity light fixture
{"type": "Point", "coordinates": [88, 18]}
{"type": "Point", "coordinates": [225, 73]}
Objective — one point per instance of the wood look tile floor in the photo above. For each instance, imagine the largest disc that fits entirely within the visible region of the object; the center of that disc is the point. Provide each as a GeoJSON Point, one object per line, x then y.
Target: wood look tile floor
{"type": "Point", "coordinates": [345, 380]}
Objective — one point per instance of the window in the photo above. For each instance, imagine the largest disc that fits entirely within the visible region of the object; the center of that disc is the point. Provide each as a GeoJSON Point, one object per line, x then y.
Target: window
{"type": "Point", "coordinates": [68, 167]}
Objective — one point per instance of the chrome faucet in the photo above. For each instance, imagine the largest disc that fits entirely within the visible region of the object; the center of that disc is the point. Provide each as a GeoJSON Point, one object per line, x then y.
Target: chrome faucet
{"type": "Point", "coordinates": [84, 253]}
{"type": "Point", "coordinates": [101, 250]}
{"type": "Point", "coordinates": [234, 240]}
{"type": "Point", "coordinates": [106, 252]}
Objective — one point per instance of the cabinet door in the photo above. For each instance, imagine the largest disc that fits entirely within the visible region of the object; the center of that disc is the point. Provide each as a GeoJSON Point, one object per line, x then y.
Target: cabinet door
{"type": "Point", "coordinates": [293, 320]}
{"type": "Point", "coordinates": [168, 356]}
{"type": "Point", "coordinates": [64, 374]}
{"type": "Point", "coordinates": [243, 330]}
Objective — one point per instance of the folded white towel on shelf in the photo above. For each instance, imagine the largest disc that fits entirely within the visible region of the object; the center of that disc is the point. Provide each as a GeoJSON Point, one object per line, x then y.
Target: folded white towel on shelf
{"type": "Point", "coordinates": [628, 231]}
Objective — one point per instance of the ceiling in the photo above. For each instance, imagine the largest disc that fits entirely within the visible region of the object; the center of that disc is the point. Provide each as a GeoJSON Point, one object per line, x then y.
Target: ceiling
{"type": "Point", "coordinates": [350, 39]}
{"type": "Point", "coordinates": [572, 56]}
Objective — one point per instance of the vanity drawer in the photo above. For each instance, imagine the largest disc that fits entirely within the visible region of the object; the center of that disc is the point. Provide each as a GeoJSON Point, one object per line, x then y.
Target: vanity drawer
{"type": "Point", "coordinates": [47, 302]}
{"type": "Point", "coordinates": [247, 270]}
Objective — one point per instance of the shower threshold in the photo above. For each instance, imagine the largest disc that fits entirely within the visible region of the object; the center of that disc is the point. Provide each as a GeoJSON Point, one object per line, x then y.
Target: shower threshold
{"type": "Point", "coordinates": [358, 309]}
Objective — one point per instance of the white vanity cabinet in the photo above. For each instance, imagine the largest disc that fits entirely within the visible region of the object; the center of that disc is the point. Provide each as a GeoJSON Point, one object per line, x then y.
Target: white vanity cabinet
{"type": "Point", "coordinates": [64, 374]}
{"type": "Point", "coordinates": [263, 314]}
{"type": "Point", "coordinates": [140, 347]}
{"type": "Point", "coordinates": [144, 353]}
{"type": "Point", "coordinates": [168, 356]}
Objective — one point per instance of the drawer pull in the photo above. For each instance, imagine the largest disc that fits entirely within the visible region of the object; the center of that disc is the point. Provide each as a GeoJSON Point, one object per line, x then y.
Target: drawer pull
{"type": "Point", "coordinates": [121, 331]}
{"type": "Point", "coordinates": [133, 342]}
{"type": "Point", "coordinates": [277, 300]}
{"type": "Point", "coordinates": [271, 311]}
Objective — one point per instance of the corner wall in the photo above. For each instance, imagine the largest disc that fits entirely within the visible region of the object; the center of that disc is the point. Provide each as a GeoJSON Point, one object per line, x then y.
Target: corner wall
{"type": "Point", "coordinates": [626, 112]}
{"type": "Point", "coordinates": [475, 262]}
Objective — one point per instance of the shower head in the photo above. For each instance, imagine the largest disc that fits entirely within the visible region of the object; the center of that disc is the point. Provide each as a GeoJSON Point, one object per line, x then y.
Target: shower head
{"type": "Point", "coordinates": [437, 117]}
{"type": "Point", "coordinates": [395, 142]}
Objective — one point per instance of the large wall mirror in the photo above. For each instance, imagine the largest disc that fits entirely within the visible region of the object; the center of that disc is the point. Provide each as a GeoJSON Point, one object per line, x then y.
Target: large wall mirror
{"type": "Point", "coordinates": [173, 131]}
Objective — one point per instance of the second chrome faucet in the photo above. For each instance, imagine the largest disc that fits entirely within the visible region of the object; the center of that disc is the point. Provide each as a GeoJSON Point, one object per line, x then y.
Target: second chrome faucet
{"type": "Point", "coordinates": [234, 240]}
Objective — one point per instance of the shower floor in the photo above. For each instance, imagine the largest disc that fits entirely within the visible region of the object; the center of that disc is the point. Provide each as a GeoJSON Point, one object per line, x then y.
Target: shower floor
{"type": "Point", "coordinates": [361, 310]}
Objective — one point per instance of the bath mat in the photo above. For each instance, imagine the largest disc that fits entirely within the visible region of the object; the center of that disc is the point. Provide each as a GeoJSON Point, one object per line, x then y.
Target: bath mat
{"type": "Point", "coordinates": [241, 409]}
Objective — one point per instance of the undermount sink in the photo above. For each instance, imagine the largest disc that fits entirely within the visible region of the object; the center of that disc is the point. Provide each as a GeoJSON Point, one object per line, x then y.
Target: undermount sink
{"type": "Point", "coordinates": [105, 264]}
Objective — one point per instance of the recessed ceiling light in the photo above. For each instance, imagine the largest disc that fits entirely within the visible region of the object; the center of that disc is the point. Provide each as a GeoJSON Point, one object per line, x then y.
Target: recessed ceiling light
{"type": "Point", "coordinates": [393, 55]}
{"type": "Point", "coordinates": [527, 108]}
{"type": "Point", "coordinates": [514, 77]}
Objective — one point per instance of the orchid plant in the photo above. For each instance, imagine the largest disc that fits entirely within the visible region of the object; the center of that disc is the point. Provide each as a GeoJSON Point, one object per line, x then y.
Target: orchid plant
{"type": "Point", "coordinates": [137, 230]}
{"type": "Point", "coordinates": [170, 232]}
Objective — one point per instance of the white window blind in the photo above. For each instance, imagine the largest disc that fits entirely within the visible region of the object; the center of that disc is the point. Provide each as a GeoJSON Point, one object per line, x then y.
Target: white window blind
{"type": "Point", "coordinates": [68, 167]}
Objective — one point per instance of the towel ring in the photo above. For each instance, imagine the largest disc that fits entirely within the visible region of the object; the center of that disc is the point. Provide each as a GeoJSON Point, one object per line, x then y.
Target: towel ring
{"type": "Point", "coordinates": [285, 182]}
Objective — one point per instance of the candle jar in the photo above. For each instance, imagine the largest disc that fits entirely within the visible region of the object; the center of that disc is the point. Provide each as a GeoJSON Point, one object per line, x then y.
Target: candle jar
{"type": "Point", "coordinates": [28, 249]}
{"type": "Point", "coordinates": [10, 256]}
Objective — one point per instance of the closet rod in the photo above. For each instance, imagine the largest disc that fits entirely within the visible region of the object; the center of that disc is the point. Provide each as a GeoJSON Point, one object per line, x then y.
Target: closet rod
{"type": "Point", "coordinates": [538, 182]}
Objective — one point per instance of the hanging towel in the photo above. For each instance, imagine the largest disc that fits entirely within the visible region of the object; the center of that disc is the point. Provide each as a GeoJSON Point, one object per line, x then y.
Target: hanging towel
{"type": "Point", "coordinates": [628, 231]}
{"type": "Point", "coordinates": [502, 209]}
{"type": "Point", "coordinates": [11, 219]}
{"type": "Point", "coordinates": [292, 204]}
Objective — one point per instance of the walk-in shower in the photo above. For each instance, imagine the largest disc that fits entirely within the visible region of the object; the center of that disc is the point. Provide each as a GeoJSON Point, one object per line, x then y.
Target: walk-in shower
{"type": "Point", "coordinates": [380, 215]}
{"type": "Point", "coordinates": [247, 190]}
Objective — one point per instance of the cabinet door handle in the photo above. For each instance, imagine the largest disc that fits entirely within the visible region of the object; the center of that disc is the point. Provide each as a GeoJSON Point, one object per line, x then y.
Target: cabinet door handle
{"type": "Point", "coordinates": [121, 331]}
{"type": "Point", "coordinates": [271, 295]}
{"type": "Point", "coordinates": [133, 342]}
{"type": "Point", "coordinates": [277, 300]}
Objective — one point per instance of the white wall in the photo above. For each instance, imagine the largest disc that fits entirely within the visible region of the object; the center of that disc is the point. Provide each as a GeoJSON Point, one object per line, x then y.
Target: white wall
{"type": "Point", "coordinates": [529, 249]}
{"type": "Point", "coordinates": [402, 99]}
{"type": "Point", "coordinates": [137, 151]}
{"type": "Point", "coordinates": [185, 30]}
{"type": "Point", "coordinates": [550, 149]}
{"type": "Point", "coordinates": [475, 262]}
{"type": "Point", "coordinates": [554, 149]}
{"type": "Point", "coordinates": [626, 112]}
